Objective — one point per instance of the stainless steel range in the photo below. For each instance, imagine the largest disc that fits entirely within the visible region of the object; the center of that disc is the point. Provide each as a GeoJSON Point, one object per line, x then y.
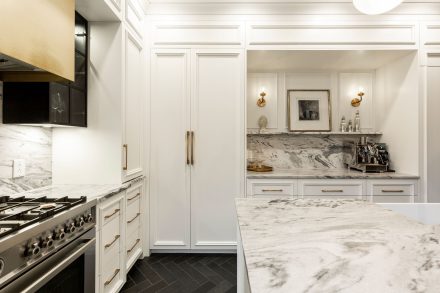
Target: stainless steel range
{"type": "Point", "coordinates": [47, 244]}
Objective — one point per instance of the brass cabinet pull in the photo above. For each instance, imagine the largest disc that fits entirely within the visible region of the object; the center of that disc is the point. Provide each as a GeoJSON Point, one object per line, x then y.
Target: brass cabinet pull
{"type": "Point", "coordinates": [111, 243]}
{"type": "Point", "coordinates": [332, 190]}
{"type": "Point", "coordinates": [192, 147]}
{"type": "Point", "coordinates": [112, 214]}
{"type": "Point", "coordinates": [111, 279]}
{"type": "Point", "coordinates": [125, 146]}
{"type": "Point", "coordinates": [272, 190]}
{"type": "Point", "coordinates": [131, 198]}
{"type": "Point", "coordinates": [392, 191]}
{"type": "Point", "coordinates": [137, 241]}
{"type": "Point", "coordinates": [137, 215]}
{"type": "Point", "coordinates": [187, 148]}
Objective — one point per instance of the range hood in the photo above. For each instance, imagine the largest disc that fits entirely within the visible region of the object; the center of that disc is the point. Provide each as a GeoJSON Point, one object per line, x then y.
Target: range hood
{"type": "Point", "coordinates": [41, 48]}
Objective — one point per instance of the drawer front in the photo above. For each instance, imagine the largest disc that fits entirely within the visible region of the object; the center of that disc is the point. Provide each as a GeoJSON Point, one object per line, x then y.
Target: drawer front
{"type": "Point", "coordinates": [133, 242]}
{"type": "Point", "coordinates": [111, 233]}
{"type": "Point", "coordinates": [393, 189]}
{"type": "Point", "coordinates": [393, 199]}
{"type": "Point", "coordinates": [271, 188]}
{"type": "Point", "coordinates": [133, 208]}
{"type": "Point", "coordinates": [133, 224]}
{"type": "Point", "coordinates": [111, 211]}
{"type": "Point", "coordinates": [332, 189]}
{"type": "Point", "coordinates": [112, 277]}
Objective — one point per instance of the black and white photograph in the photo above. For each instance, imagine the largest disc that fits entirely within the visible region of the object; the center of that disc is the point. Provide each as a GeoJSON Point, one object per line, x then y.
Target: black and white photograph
{"type": "Point", "coordinates": [308, 109]}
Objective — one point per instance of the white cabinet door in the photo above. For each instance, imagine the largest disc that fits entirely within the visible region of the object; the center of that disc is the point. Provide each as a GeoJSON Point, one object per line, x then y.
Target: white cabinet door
{"type": "Point", "coordinates": [133, 104]}
{"type": "Point", "coordinates": [169, 172]}
{"type": "Point", "coordinates": [217, 120]}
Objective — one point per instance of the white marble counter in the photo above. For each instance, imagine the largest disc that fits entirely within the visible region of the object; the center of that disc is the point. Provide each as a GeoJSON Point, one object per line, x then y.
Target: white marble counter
{"type": "Point", "coordinates": [326, 174]}
{"type": "Point", "coordinates": [336, 246]}
{"type": "Point", "coordinates": [91, 191]}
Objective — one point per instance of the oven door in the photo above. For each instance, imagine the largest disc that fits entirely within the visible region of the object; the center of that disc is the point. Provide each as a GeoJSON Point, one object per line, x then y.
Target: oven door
{"type": "Point", "coordinates": [72, 269]}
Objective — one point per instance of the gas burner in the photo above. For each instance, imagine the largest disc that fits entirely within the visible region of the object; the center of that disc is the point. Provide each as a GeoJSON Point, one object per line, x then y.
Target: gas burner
{"type": "Point", "coordinates": [17, 213]}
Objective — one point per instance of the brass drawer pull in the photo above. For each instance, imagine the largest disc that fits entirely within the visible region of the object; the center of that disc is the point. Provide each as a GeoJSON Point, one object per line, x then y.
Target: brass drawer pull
{"type": "Point", "coordinates": [111, 279]}
{"type": "Point", "coordinates": [131, 198]}
{"type": "Point", "coordinates": [112, 214]}
{"type": "Point", "coordinates": [137, 215]}
{"type": "Point", "coordinates": [125, 146]}
{"type": "Point", "coordinates": [332, 190]}
{"type": "Point", "coordinates": [272, 190]}
{"type": "Point", "coordinates": [192, 148]}
{"type": "Point", "coordinates": [188, 162]}
{"type": "Point", "coordinates": [392, 191]}
{"type": "Point", "coordinates": [111, 243]}
{"type": "Point", "coordinates": [136, 243]}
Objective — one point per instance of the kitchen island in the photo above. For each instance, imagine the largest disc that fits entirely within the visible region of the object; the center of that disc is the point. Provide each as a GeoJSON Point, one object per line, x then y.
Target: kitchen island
{"type": "Point", "coordinates": [320, 245]}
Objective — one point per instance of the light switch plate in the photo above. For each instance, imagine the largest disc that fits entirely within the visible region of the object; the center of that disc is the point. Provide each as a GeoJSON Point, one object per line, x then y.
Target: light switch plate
{"type": "Point", "coordinates": [18, 168]}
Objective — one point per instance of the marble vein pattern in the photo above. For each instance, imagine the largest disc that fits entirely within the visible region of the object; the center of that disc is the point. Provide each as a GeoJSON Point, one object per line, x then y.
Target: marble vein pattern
{"type": "Point", "coordinates": [325, 245]}
{"type": "Point", "coordinates": [300, 152]}
{"type": "Point", "coordinates": [34, 145]}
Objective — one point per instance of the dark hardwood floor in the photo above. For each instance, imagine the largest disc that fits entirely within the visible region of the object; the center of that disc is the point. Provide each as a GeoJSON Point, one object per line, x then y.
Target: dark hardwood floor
{"type": "Point", "coordinates": [186, 273]}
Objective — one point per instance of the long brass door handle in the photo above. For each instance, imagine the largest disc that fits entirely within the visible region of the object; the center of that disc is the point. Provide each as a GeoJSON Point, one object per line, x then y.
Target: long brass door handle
{"type": "Point", "coordinates": [113, 241]}
{"type": "Point", "coordinates": [111, 279]}
{"type": "Point", "coordinates": [126, 157]}
{"type": "Point", "coordinates": [134, 245]}
{"type": "Point", "coordinates": [187, 148]}
{"type": "Point", "coordinates": [192, 147]}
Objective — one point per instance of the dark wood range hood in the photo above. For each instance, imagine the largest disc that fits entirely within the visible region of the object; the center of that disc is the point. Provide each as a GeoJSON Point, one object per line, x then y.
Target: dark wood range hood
{"type": "Point", "coordinates": [36, 41]}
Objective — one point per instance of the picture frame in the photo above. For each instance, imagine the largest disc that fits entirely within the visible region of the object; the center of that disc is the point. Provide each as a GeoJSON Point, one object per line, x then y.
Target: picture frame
{"type": "Point", "coordinates": [309, 110]}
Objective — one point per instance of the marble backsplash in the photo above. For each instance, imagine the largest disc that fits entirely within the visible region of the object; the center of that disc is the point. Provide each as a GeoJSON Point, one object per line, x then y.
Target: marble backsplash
{"type": "Point", "coordinates": [34, 145]}
{"type": "Point", "coordinates": [286, 151]}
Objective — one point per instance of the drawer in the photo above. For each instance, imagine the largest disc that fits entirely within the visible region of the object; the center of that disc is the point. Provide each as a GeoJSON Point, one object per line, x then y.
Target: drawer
{"type": "Point", "coordinates": [393, 189]}
{"type": "Point", "coordinates": [393, 199]}
{"type": "Point", "coordinates": [269, 188]}
{"type": "Point", "coordinates": [111, 211]}
{"type": "Point", "coordinates": [112, 277]}
{"type": "Point", "coordinates": [111, 233]}
{"type": "Point", "coordinates": [133, 247]}
{"type": "Point", "coordinates": [332, 188]}
{"type": "Point", "coordinates": [133, 208]}
{"type": "Point", "coordinates": [133, 224]}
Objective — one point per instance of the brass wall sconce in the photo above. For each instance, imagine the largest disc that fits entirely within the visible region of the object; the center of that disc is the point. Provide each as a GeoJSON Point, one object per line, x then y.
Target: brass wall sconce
{"type": "Point", "coordinates": [261, 102]}
{"type": "Point", "coordinates": [356, 102]}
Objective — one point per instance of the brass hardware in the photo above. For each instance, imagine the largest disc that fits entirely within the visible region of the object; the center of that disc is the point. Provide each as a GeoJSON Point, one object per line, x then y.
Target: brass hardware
{"type": "Point", "coordinates": [112, 214]}
{"type": "Point", "coordinates": [111, 243]}
{"type": "Point", "coordinates": [187, 148]}
{"type": "Point", "coordinates": [356, 102]}
{"type": "Point", "coordinates": [137, 241]}
{"type": "Point", "coordinates": [111, 279]}
{"type": "Point", "coordinates": [332, 190]}
{"type": "Point", "coordinates": [261, 102]}
{"type": "Point", "coordinates": [272, 190]}
{"type": "Point", "coordinates": [192, 147]}
{"type": "Point", "coordinates": [131, 198]}
{"type": "Point", "coordinates": [137, 215]}
{"type": "Point", "coordinates": [262, 168]}
{"type": "Point", "coordinates": [125, 146]}
{"type": "Point", "coordinates": [390, 191]}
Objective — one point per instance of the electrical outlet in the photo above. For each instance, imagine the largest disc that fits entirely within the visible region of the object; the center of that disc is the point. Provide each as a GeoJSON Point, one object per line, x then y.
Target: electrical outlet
{"type": "Point", "coordinates": [18, 168]}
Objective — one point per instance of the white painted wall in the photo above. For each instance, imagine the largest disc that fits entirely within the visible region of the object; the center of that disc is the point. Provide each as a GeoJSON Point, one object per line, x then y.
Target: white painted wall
{"type": "Point", "coordinates": [397, 111]}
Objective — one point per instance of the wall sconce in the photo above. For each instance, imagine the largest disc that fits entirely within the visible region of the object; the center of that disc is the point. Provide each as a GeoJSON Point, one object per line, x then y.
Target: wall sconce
{"type": "Point", "coordinates": [356, 102]}
{"type": "Point", "coordinates": [261, 102]}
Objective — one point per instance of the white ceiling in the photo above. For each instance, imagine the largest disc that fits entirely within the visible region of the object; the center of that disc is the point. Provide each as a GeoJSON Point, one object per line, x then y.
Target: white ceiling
{"type": "Point", "coordinates": [285, 61]}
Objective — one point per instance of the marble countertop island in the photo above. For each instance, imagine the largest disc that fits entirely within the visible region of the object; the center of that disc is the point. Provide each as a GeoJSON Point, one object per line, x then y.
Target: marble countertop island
{"type": "Point", "coordinates": [324, 245]}
{"type": "Point", "coordinates": [326, 174]}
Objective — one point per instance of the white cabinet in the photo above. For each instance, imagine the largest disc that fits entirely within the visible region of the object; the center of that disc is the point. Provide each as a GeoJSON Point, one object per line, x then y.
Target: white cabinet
{"type": "Point", "coordinates": [134, 220]}
{"type": "Point", "coordinates": [133, 102]}
{"type": "Point", "coordinates": [392, 191]}
{"type": "Point", "coordinates": [272, 188]}
{"type": "Point", "coordinates": [197, 147]}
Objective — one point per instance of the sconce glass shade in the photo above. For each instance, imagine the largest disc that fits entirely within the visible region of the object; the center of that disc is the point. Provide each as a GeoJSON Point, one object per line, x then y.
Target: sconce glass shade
{"type": "Point", "coordinates": [373, 7]}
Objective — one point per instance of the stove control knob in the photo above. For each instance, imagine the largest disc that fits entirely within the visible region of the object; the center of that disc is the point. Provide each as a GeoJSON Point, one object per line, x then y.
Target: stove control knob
{"type": "Point", "coordinates": [59, 235]}
{"type": "Point", "coordinates": [33, 249]}
{"type": "Point", "coordinates": [79, 222]}
{"type": "Point", "coordinates": [70, 228]}
{"type": "Point", "coordinates": [88, 218]}
{"type": "Point", "coordinates": [48, 242]}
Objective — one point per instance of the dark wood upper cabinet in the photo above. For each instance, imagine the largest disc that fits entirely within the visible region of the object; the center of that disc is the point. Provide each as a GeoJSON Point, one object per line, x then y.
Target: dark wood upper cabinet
{"type": "Point", "coordinates": [63, 103]}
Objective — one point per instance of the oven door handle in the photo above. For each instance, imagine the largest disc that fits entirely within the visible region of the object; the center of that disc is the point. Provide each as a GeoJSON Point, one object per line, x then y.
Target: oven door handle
{"type": "Point", "coordinates": [41, 281]}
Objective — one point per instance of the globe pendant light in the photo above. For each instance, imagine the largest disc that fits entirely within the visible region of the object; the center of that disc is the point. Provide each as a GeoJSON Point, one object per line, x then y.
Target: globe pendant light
{"type": "Point", "coordinates": [373, 7]}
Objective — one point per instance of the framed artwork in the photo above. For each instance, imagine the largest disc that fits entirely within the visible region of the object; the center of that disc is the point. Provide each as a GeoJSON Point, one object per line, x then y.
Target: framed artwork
{"type": "Point", "coordinates": [309, 110]}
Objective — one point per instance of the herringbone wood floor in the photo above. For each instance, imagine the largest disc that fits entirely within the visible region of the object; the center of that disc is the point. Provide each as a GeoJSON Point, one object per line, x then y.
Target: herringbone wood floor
{"type": "Point", "coordinates": [184, 273]}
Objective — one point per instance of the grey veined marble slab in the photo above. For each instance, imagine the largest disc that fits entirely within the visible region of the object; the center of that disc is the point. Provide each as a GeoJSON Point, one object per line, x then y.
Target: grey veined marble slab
{"type": "Point", "coordinates": [336, 246]}
{"type": "Point", "coordinates": [326, 174]}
